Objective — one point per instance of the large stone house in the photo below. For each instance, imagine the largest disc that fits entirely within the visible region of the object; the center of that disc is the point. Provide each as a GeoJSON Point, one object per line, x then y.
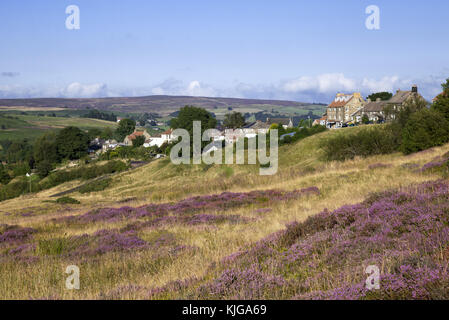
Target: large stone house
{"type": "Point", "coordinates": [385, 110]}
{"type": "Point", "coordinates": [403, 97]}
{"type": "Point", "coordinates": [343, 107]}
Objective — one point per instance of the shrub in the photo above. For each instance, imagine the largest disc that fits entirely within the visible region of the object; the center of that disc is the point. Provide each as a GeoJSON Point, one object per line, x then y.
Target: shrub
{"type": "Point", "coordinates": [424, 129]}
{"type": "Point", "coordinates": [67, 200]}
{"type": "Point", "coordinates": [15, 189]}
{"type": "Point", "coordinates": [364, 142]}
{"type": "Point", "coordinates": [85, 173]}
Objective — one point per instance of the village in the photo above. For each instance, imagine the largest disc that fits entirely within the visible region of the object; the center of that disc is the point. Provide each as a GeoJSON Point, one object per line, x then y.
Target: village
{"type": "Point", "coordinates": [344, 111]}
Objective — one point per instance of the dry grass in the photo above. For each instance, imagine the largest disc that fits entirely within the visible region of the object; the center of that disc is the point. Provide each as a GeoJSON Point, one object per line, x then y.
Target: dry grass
{"type": "Point", "coordinates": [300, 166]}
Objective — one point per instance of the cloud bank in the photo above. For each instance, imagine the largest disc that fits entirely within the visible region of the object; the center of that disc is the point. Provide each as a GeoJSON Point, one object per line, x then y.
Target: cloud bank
{"type": "Point", "coordinates": [318, 88]}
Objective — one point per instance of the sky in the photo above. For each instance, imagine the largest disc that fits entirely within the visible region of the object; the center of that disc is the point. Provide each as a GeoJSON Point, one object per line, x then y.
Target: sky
{"type": "Point", "coordinates": [293, 50]}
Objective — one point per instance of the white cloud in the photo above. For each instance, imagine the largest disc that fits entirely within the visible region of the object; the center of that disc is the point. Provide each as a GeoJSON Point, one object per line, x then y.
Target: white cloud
{"type": "Point", "coordinates": [78, 90]}
{"type": "Point", "coordinates": [324, 83]}
{"type": "Point", "coordinates": [176, 87]}
{"type": "Point", "coordinates": [318, 88]}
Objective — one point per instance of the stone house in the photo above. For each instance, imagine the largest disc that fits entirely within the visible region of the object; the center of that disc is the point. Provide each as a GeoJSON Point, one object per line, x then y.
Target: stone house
{"type": "Point", "coordinates": [385, 110]}
{"type": "Point", "coordinates": [339, 111]}
{"type": "Point", "coordinates": [374, 110]}
{"type": "Point", "coordinates": [129, 139]}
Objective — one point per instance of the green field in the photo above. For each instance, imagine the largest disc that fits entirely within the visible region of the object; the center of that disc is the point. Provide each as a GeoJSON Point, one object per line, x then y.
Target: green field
{"type": "Point", "coordinates": [20, 126]}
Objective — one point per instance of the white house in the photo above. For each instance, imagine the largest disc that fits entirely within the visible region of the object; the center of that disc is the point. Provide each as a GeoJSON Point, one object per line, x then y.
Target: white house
{"type": "Point", "coordinates": [159, 140]}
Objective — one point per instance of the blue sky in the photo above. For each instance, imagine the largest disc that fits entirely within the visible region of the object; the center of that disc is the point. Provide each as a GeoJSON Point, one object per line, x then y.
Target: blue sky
{"type": "Point", "coordinates": [297, 50]}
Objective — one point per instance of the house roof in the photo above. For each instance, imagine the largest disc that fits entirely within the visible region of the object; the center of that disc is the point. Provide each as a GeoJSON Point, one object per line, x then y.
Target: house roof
{"type": "Point", "coordinates": [401, 96]}
{"type": "Point", "coordinates": [169, 131]}
{"type": "Point", "coordinates": [375, 106]}
{"type": "Point", "coordinates": [341, 100]}
{"type": "Point", "coordinates": [135, 134]}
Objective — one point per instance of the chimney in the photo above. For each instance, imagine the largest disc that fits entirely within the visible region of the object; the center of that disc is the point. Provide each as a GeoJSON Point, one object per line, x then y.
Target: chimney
{"type": "Point", "coordinates": [415, 88]}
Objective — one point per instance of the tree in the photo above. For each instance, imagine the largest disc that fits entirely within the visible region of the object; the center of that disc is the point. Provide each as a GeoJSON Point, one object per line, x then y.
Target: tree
{"type": "Point", "coordinates": [408, 108]}
{"type": "Point", "coordinates": [43, 168]}
{"type": "Point", "coordinates": [45, 148]}
{"type": "Point", "coordinates": [95, 114]}
{"type": "Point", "coordinates": [107, 133]}
{"type": "Point", "coordinates": [4, 176]}
{"type": "Point", "coordinates": [441, 103]}
{"type": "Point", "coordinates": [72, 143]}
{"type": "Point", "coordinates": [125, 127]}
{"type": "Point", "coordinates": [234, 120]}
{"type": "Point", "coordinates": [93, 133]}
{"type": "Point", "coordinates": [138, 141]}
{"type": "Point", "coordinates": [382, 95]}
{"type": "Point", "coordinates": [188, 114]}
{"type": "Point", "coordinates": [424, 129]}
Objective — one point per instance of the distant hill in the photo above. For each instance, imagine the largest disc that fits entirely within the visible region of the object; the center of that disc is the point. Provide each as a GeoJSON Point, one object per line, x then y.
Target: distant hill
{"type": "Point", "coordinates": [161, 104]}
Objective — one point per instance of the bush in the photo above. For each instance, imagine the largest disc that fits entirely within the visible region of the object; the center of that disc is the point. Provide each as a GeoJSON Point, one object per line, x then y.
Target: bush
{"type": "Point", "coordinates": [365, 142]}
{"type": "Point", "coordinates": [16, 188]}
{"type": "Point", "coordinates": [67, 200]}
{"type": "Point", "coordinates": [84, 173]}
{"type": "Point", "coordinates": [94, 186]}
{"type": "Point", "coordinates": [424, 129]}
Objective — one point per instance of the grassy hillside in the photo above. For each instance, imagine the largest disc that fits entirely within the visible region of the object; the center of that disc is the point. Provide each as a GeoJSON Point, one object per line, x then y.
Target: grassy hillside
{"type": "Point", "coordinates": [161, 231]}
{"type": "Point", "coordinates": [164, 105]}
{"type": "Point", "coordinates": [17, 127]}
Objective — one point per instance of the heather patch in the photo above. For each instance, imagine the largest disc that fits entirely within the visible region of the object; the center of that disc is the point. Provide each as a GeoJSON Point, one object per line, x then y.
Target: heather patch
{"type": "Point", "coordinates": [14, 234]}
{"type": "Point", "coordinates": [105, 241]}
{"type": "Point", "coordinates": [438, 164]}
{"type": "Point", "coordinates": [173, 211]}
{"type": "Point", "coordinates": [403, 232]}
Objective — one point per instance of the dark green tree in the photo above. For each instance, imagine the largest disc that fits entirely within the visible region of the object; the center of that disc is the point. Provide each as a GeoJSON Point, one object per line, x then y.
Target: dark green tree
{"type": "Point", "coordinates": [4, 175]}
{"type": "Point", "coordinates": [188, 114]}
{"type": "Point", "coordinates": [382, 95]}
{"type": "Point", "coordinates": [44, 168]}
{"type": "Point", "coordinates": [138, 141]}
{"type": "Point", "coordinates": [441, 103]}
{"type": "Point", "coordinates": [94, 133]}
{"type": "Point", "coordinates": [107, 133]}
{"type": "Point", "coordinates": [45, 148]}
{"type": "Point", "coordinates": [72, 143]}
{"type": "Point", "coordinates": [234, 120]}
{"type": "Point", "coordinates": [424, 129]}
{"type": "Point", "coordinates": [125, 127]}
